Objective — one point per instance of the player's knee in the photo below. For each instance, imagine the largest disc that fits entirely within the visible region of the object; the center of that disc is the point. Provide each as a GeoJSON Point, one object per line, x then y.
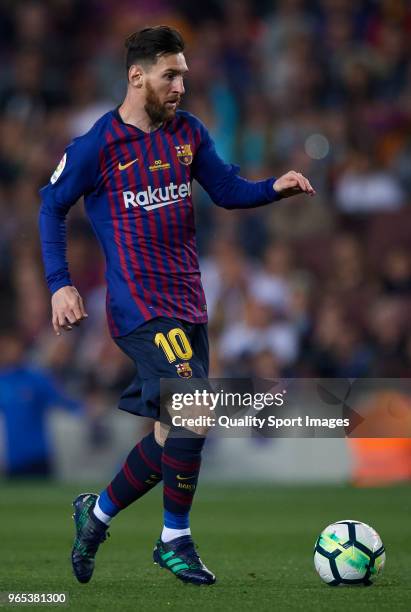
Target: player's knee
{"type": "Point", "coordinates": [195, 418]}
{"type": "Point", "coordinates": [200, 430]}
{"type": "Point", "coordinates": [161, 432]}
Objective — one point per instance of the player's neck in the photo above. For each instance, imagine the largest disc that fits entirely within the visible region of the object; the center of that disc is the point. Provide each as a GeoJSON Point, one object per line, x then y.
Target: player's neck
{"type": "Point", "coordinates": [136, 116]}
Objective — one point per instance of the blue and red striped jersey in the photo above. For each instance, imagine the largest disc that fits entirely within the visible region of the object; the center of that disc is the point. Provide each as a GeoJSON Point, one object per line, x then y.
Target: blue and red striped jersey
{"type": "Point", "coordinates": [138, 198]}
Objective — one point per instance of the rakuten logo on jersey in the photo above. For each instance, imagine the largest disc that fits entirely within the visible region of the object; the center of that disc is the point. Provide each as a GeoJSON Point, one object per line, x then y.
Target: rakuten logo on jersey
{"type": "Point", "coordinates": [157, 197]}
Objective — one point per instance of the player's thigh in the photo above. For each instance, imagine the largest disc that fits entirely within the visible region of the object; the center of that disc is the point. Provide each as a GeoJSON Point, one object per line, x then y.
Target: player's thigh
{"type": "Point", "coordinates": [163, 348]}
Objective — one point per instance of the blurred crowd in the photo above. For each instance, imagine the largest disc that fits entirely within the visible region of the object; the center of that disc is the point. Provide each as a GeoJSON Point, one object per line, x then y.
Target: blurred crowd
{"type": "Point", "coordinates": [306, 287]}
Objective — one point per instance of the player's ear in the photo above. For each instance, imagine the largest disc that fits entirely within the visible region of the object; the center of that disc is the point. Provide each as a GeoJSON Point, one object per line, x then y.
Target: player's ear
{"type": "Point", "coordinates": [135, 75]}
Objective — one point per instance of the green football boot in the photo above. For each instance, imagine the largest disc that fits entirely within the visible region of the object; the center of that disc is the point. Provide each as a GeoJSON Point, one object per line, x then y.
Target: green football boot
{"type": "Point", "coordinates": [90, 533]}
{"type": "Point", "coordinates": [180, 558]}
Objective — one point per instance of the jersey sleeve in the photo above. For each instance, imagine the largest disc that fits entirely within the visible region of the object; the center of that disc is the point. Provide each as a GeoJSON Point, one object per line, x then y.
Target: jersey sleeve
{"type": "Point", "coordinates": [74, 176]}
{"type": "Point", "coordinates": [221, 180]}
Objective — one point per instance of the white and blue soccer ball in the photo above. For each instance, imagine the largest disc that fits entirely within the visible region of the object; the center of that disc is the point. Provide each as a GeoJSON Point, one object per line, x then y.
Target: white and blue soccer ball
{"type": "Point", "coordinates": [349, 552]}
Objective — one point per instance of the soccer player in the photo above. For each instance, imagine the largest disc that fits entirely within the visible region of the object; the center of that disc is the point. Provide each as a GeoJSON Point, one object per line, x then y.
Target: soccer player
{"type": "Point", "coordinates": [135, 168]}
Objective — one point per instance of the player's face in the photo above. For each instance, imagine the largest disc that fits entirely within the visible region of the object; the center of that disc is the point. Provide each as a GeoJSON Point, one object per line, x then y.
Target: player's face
{"type": "Point", "coordinates": [164, 87]}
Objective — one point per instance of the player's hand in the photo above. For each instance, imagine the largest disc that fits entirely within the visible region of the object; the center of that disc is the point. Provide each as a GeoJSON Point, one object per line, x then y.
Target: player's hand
{"type": "Point", "coordinates": [67, 308]}
{"type": "Point", "coordinates": [293, 183]}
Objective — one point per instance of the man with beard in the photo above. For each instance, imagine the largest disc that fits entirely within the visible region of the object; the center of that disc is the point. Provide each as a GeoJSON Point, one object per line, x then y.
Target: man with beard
{"type": "Point", "coordinates": [135, 167]}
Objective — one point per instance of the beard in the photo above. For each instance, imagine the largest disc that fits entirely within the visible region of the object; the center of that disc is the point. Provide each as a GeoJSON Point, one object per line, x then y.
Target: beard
{"type": "Point", "coordinates": [155, 109]}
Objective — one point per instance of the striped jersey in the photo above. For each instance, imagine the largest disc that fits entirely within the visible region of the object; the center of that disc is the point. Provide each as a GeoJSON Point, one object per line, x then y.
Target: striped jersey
{"type": "Point", "coordinates": [137, 190]}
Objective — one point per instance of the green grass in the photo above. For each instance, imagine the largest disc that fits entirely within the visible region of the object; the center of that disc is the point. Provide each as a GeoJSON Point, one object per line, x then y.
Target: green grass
{"type": "Point", "coordinates": [258, 541]}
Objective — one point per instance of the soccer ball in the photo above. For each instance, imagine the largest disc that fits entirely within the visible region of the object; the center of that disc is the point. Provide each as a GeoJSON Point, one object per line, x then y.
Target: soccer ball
{"type": "Point", "coordinates": [349, 552]}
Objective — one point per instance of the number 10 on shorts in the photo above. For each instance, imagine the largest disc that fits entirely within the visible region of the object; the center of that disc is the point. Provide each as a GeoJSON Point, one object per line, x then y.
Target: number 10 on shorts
{"type": "Point", "coordinates": [175, 345]}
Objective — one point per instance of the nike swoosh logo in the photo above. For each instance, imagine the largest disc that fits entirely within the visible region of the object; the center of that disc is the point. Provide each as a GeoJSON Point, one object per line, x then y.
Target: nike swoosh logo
{"type": "Point", "coordinates": [184, 477]}
{"type": "Point", "coordinates": [124, 166]}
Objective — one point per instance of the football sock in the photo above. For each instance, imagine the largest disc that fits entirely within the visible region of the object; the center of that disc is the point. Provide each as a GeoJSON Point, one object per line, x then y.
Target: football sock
{"type": "Point", "coordinates": [139, 474]}
{"type": "Point", "coordinates": [98, 512]}
{"type": "Point", "coordinates": [181, 462]}
{"type": "Point", "coordinates": [175, 526]}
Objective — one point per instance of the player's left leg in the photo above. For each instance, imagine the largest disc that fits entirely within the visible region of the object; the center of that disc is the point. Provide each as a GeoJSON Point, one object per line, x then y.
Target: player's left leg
{"type": "Point", "coordinates": [181, 461]}
{"type": "Point", "coordinates": [175, 549]}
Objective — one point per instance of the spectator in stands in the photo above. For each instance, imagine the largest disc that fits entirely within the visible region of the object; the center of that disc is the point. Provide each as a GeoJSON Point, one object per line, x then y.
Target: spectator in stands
{"type": "Point", "coordinates": [26, 396]}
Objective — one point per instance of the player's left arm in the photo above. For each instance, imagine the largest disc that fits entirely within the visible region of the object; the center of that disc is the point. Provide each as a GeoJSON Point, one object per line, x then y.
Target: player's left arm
{"type": "Point", "coordinates": [229, 190]}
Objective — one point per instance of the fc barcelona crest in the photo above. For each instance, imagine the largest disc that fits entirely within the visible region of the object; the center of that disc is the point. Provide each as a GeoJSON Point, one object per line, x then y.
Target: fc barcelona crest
{"type": "Point", "coordinates": [184, 370]}
{"type": "Point", "coordinates": [184, 154]}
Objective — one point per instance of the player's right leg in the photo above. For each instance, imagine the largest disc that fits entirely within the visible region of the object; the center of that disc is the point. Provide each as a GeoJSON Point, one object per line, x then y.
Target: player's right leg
{"type": "Point", "coordinates": [92, 513]}
{"type": "Point", "coordinates": [90, 533]}
{"type": "Point", "coordinates": [140, 472]}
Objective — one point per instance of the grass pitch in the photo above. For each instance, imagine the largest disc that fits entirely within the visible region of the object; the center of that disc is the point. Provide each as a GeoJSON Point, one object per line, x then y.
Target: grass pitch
{"type": "Point", "coordinates": [258, 540]}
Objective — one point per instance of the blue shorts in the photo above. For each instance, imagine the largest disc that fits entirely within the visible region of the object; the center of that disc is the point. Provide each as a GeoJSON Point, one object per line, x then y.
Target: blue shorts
{"type": "Point", "coordinates": [162, 348]}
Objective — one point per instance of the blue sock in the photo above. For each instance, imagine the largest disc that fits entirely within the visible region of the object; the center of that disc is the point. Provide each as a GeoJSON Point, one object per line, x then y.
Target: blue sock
{"type": "Point", "coordinates": [106, 505]}
{"type": "Point", "coordinates": [176, 521]}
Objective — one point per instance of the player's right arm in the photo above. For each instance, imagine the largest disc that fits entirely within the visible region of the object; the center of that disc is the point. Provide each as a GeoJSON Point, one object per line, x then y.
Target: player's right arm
{"type": "Point", "coordinates": [74, 176]}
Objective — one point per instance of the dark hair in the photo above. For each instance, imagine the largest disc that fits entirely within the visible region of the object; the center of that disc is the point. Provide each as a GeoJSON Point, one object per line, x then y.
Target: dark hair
{"type": "Point", "coordinates": [149, 44]}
